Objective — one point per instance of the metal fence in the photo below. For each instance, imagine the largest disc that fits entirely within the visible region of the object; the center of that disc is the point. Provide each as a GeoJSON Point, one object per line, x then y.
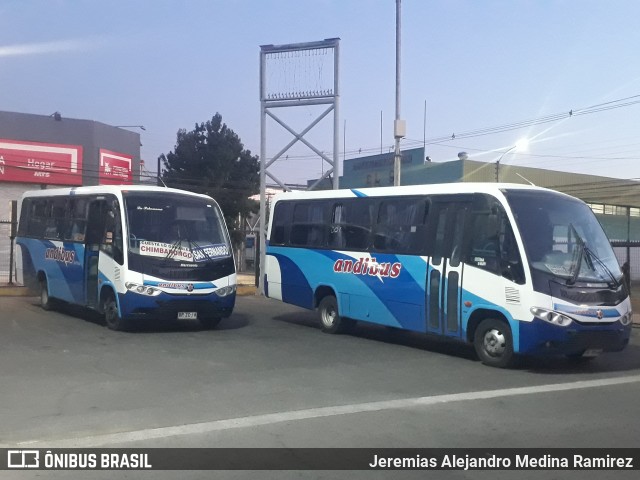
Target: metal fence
{"type": "Point", "coordinates": [7, 271]}
{"type": "Point", "coordinates": [628, 252]}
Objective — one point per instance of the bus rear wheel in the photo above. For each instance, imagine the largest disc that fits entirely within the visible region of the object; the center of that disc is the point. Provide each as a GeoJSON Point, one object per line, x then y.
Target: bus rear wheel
{"type": "Point", "coordinates": [46, 302]}
{"type": "Point", "coordinates": [330, 319]}
{"type": "Point", "coordinates": [111, 315]}
{"type": "Point", "coordinates": [493, 343]}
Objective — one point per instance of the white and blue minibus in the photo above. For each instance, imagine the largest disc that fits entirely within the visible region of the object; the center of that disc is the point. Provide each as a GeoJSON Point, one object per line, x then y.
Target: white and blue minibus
{"type": "Point", "coordinates": [511, 269]}
{"type": "Point", "coordinates": [129, 252]}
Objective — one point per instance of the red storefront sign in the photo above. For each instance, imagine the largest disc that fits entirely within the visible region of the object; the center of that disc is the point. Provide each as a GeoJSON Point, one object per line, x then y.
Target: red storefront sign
{"type": "Point", "coordinates": [115, 168]}
{"type": "Point", "coordinates": [33, 162]}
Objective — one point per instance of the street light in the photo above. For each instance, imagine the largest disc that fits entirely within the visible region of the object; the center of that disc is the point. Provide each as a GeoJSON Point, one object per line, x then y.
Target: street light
{"type": "Point", "coordinates": [519, 146]}
{"type": "Point", "coordinates": [130, 126]}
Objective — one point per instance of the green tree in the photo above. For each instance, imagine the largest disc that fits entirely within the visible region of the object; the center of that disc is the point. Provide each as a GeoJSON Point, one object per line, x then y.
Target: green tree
{"type": "Point", "coordinates": [211, 159]}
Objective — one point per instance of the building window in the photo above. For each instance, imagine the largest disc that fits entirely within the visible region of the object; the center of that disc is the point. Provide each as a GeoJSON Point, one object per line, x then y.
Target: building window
{"type": "Point", "coordinates": [597, 208]}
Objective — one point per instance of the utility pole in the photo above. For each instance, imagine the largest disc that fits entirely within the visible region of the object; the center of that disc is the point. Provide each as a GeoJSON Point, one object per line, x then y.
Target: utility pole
{"type": "Point", "coordinates": [399, 126]}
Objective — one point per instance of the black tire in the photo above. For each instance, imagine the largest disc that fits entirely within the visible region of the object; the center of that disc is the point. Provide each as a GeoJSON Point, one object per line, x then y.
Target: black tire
{"type": "Point", "coordinates": [330, 319]}
{"type": "Point", "coordinates": [209, 323]}
{"type": "Point", "coordinates": [493, 343]}
{"type": "Point", "coordinates": [46, 302]}
{"type": "Point", "coordinates": [112, 318]}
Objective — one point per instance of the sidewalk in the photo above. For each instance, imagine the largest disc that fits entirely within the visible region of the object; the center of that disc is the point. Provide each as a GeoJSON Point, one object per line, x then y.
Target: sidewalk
{"type": "Point", "coordinates": [246, 284]}
{"type": "Point", "coordinates": [15, 290]}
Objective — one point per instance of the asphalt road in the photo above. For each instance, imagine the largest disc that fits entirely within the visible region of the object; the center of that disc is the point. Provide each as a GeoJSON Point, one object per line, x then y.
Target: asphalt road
{"type": "Point", "coordinates": [267, 377]}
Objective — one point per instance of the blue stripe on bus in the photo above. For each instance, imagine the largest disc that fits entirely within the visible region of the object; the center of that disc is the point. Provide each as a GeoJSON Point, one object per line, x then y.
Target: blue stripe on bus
{"type": "Point", "coordinates": [399, 304]}
{"type": "Point", "coordinates": [166, 283]}
{"type": "Point", "coordinates": [402, 301]}
{"type": "Point", "coordinates": [65, 278]}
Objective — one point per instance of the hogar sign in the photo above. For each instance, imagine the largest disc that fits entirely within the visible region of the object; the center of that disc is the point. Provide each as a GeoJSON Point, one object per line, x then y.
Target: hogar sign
{"type": "Point", "coordinates": [33, 162]}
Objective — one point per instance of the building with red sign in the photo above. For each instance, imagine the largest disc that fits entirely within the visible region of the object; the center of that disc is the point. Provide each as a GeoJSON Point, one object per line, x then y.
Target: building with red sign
{"type": "Point", "coordinates": [41, 151]}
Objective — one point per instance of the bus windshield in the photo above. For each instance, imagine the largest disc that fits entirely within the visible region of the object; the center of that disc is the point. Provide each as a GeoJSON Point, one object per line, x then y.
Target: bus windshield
{"type": "Point", "coordinates": [562, 237]}
{"type": "Point", "coordinates": [172, 227]}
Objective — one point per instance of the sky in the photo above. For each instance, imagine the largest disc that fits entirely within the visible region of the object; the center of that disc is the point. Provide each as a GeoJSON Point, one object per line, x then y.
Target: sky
{"type": "Point", "coordinates": [476, 75]}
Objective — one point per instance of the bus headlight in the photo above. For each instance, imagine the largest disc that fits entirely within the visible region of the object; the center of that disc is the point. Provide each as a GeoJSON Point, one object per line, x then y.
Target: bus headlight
{"type": "Point", "coordinates": [225, 291]}
{"type": "Point", "coordinates": [627, 318]}
{"type": "Point", "coordinates": [551, 316]}
{"type": "Point", "coordinates": [142, 289]}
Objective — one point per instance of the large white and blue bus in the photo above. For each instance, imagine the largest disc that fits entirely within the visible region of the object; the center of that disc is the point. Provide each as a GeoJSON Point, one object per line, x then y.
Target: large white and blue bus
{"type": "Point", "coordinates": [129, 252]}
{"type": "Point", "coordinates": [511, 269]}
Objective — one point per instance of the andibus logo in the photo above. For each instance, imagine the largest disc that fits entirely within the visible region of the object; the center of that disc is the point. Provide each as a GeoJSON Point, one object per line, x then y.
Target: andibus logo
{"type": "Point", "coordinates": [368, 266]}
{"type": "Point", "coordinates": [59, 254]}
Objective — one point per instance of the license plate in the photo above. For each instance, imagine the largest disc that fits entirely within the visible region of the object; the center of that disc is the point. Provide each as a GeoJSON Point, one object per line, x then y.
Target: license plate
{"type": "Point", "coordinates": [187, 315]}
{"type": "Point", "coordinates": [592, 352]}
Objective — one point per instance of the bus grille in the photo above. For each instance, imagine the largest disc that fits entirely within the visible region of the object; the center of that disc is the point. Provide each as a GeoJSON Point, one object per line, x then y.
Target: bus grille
{"type": "Point", "coordinates": [606, 340]}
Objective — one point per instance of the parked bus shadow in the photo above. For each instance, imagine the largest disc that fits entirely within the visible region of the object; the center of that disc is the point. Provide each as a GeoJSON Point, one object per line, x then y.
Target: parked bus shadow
{"type": "Point", "coordinates": [234, 322]}
{"type": "Point", "coordinates": [150, 325]}
{"type": "Point", "coordinates": [388, 335]}
{"type": "Point", "coordinates": [627, 360]}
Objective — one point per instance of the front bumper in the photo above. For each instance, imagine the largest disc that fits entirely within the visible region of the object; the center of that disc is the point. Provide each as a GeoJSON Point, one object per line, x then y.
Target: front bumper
{"type": "Point", "coordinates": [539, 337]}
{"type": "Point", "coordinates": [166, 307]}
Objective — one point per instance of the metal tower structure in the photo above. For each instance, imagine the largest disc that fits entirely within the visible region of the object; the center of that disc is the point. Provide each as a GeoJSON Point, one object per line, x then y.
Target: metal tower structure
{"type": "Point", "coordinates": [298, 80]}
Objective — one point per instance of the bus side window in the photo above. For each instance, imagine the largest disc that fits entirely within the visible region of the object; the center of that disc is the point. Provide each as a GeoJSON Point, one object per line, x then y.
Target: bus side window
{"type": "Point", "coordinates": [397, 225]}
{"type": "Point", "coordinates": [354, 221]}
{"type": "Point", "coordinates": [510, 260]}
{"type": "Point", "coordinates": [23, 224]}
{"type": "Point", "coordinates": [77, 223]}
{"type": "Point", "coordinates": [37, 221]}
{"type": "Point", "coordinates": [112, 242]}
{"type": "Point", "coordinates": [493, 244]}
{"type": "Point", "coordinates": [336, 229]}
{"type": "Point", "coordinates": [307, 229]}
{"type": "Point", "coordinates": [485, 240]}
{"type": "Point", "coordinates": [55, 219]}
{"type": "Point", "coordinates": [281, 214]}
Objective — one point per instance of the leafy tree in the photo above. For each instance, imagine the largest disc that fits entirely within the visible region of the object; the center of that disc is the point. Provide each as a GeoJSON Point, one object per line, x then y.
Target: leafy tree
{"type": "Point", "coordinates": [211, 159]}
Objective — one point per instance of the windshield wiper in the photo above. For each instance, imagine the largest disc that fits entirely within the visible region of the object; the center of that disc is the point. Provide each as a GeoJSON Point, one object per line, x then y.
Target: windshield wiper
{"type": "Point", "coordinates": [200, 249]}
{"type": "Point", "coordinates": [173, 249]}
{"type": "Point", "coordinates": [591, 255]}
{"type": "Point", "coordinates": [192, 243]}
{"type": "Point", "coordinates": [577, 265]}
{"type": "Point", "coordinates": [584, 252]}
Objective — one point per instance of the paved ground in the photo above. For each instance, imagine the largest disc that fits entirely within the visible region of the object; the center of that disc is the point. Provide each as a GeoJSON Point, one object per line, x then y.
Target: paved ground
{"type": "Point", "coordinates": [267, 377]}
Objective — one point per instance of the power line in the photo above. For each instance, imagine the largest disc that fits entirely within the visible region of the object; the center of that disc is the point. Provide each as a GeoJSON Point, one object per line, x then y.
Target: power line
{"type": "Point", "coordinates": [567, 114]}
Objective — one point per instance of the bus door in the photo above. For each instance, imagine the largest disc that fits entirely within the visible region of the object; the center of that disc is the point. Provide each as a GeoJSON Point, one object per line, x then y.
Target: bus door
{"type": "Point", "coordinates": [93, 239]}
{"type": "Point", "coordinates": [447, 219]}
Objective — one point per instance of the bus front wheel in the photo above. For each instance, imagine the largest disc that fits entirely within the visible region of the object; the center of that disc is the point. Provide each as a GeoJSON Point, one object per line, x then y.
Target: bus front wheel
{"type": "Point", "coordinates": [111, 315]}
{"type": "Point", "coordinates": [493, 343]}
{"type": "Point", "coordinates": [330, 319]}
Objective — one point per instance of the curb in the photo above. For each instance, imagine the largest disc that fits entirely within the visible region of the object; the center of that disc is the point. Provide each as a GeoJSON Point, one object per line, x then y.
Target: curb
{"type": "Point", "coordinates": [245, 290]}
{"type": "Point", "coordinates": [14, 291]}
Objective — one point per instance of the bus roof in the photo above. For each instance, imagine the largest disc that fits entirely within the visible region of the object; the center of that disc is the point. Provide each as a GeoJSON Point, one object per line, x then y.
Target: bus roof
{"type": "Point", "coordinates": [428, 189]}
{"type": "Point", "coordinates": [106, 189]}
